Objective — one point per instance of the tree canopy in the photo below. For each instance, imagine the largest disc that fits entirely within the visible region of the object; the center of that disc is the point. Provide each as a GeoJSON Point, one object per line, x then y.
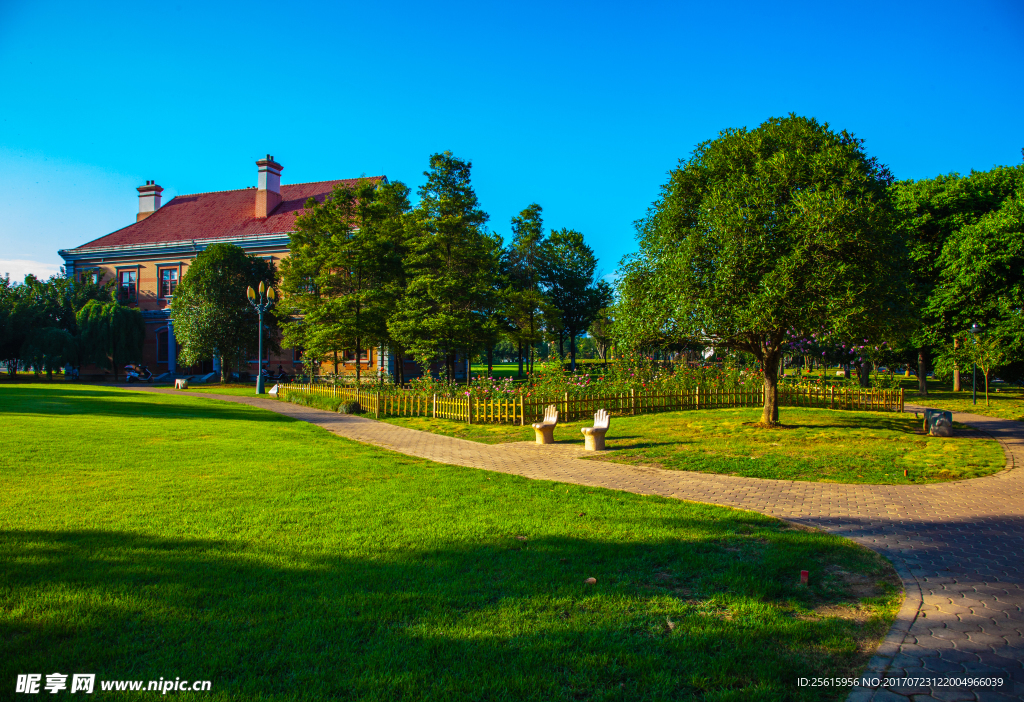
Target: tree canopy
{"type": "Point", "coordinates": [932, 213]}
{"type": "Point", "coordinates": [112, 334]}
{"type": "Point", "coordinates": [779, 230]}
{"type": "Point", "coordinates": [569, 276]}
{"type": "Point", "coordinates": [451, 264]}
{"type": "Point", "coordinates": [344, 271]}
{"type": "Point", "coordinates": [211, 313]}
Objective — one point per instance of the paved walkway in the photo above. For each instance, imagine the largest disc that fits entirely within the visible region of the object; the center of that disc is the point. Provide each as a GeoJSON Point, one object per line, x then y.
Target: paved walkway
{"type": "Point", "coordinates": [959, 547]}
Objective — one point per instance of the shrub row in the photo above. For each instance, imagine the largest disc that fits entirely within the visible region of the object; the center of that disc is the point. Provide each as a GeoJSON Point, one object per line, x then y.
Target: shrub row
{"type": "Point", "coordinates": [331, 404]}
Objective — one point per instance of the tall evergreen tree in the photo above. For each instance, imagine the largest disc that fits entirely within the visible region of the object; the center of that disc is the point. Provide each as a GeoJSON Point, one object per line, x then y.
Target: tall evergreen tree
{"type": "Point", "coordinates": [382, 211]}
{"type": "Point", "coordinates": [345, 271]}
{"type": "Point", "coordinates": [569, 275]}
{"type": "Point", "coordinates": [450, 266]}
{"type": "Point", "coordinates": [524, 305]}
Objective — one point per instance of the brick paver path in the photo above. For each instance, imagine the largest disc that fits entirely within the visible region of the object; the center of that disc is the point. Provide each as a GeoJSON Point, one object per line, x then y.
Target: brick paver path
{"type": "Point", "coordinates": [959, 546]}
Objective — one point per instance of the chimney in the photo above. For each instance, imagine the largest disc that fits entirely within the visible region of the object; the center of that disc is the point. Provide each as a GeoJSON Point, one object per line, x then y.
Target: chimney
{"type": "Point", "coordinates": [268, 193]}
{"type": "Point", "coordinates": [149, 199]}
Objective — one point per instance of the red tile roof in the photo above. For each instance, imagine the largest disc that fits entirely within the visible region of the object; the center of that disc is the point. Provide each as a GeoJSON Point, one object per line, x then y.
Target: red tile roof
{"type": "Point", "coordinates": [221, 215]}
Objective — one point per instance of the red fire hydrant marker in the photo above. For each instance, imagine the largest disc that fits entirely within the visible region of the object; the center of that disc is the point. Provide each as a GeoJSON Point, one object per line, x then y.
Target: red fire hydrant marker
{"type": "Point", "coordinates": [803, 577]}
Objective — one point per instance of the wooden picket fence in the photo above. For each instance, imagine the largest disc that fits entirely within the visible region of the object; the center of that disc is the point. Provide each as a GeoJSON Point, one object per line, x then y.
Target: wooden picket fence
{"type": "Point", "coordinates": [521, 410]}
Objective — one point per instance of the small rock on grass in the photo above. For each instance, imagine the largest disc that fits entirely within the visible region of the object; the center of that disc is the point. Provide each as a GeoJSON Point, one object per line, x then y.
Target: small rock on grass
{"type": "Point", "coordinates": [591, 581]}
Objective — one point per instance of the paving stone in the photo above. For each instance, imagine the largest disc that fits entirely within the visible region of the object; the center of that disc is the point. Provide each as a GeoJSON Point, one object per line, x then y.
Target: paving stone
{"type": "Point", "coordinates": [951, 694]}
{"type": "Point", "coordinates": [962, 543]}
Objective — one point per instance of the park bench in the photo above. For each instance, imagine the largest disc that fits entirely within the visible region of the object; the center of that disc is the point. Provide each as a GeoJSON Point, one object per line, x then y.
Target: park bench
{"type": "Point", "coordinates": [593, 437]}
{"type": "Point", "coordinates": [545, 430]}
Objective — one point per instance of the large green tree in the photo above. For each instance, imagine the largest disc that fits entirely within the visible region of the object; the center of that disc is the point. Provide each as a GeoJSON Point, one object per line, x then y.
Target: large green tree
{"type": "Point", "coordinates": [782, 229]}
{"type": "Point", "coordinates": [345, 270]}
{"type": "Point", "coordinates": [451, 264]}
{"type": "Point", "coordinates": [112, 334]}
{"type": "Point", "coordinates": [981, 278]}
{"type": "Point", "coordinates": [210, 310]}
{"type": "Point", "coordinates": [931, 211]}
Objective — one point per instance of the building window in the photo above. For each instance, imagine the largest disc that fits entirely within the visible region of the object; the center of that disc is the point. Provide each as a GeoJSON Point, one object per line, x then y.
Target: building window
{"type": "Point", "coordinates": [168, 281]}
{"type": "Point", "coordinates": [129, 290]}
{"type": "Point", "coordinates": [297, 355]}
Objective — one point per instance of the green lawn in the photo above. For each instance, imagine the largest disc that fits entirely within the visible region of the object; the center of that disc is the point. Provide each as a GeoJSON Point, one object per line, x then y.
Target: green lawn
{"type": "Point", "coordinates": [1008, 403]}
{"type": "Point", "coordinates": [227, 389]}
{"type": "Point", "coordinates": [821, 445]}
{"type": "Point", "coordinates": [500, 370]}
{"type": "Point", "coordinates": [1005, 402]}
{"type": "Point", "coordinates": [146, 536]}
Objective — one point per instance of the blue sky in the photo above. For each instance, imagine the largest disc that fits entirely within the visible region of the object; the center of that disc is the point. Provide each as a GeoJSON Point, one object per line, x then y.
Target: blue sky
{"type": "Point", "coordinates": [581, 107]}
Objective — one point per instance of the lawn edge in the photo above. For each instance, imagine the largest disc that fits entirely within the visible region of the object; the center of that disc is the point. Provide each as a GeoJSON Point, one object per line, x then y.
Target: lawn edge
{"type": "Point", "coordinates": [1011, 463]}
{"type": "Point", "coordinates": [913, 600]}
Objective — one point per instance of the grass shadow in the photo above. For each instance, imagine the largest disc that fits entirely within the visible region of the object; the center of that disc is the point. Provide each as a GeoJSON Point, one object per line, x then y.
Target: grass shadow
{"type": "Point", "coordinates": [425, 623]}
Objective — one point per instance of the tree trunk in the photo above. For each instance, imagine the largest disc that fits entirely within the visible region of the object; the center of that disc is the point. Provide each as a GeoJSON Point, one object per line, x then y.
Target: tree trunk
{"type": "Point", "coordinates": [335, 364]}
{"type": "Point", "coordinates": [469, 370]}
{"type": "Point", "coordinates": [572, 352]}
{"type": "Point", "coordinates": [956, 369]}
{"type": "Point", "coordinates": [922, 372]}
{"type": "Point", "coordinates": [770, 412]}
{"type": "Point", "coordinates": [520, 359]}
{"type": "Point", "coordinates": [865, 374]}
{"type": "Point", "coordinates": [490, 361]}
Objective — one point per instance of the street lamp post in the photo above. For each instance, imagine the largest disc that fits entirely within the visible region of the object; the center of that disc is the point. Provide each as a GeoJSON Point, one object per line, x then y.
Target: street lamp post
{"type": "Point", "coordinates": [975, 328]}
{"type": "Point", "coordinates": [261, 303]}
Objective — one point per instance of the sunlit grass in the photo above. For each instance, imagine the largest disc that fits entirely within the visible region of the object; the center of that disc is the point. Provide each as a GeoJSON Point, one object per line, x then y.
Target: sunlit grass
{"type": "Point", "coordinates": [146, 535]}
{"type": "Point", "coordinates": [823, 445]}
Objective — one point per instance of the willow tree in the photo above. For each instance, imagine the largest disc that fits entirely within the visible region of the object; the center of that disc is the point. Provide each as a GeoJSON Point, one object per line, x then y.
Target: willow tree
{"type": "Point", "coordinates": [111, 334]}
{"type": "Point", "coordinates": [782, 229]}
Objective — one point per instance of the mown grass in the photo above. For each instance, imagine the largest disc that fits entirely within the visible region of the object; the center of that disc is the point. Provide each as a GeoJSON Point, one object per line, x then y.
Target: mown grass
{"type": "Point", "coordinates": [170, 535]}
{"type": "Point", "coordinates": [226, 389]}
{"type": "Point", "coordinates": [1008, 403]}
{"type": "Point", "coordinates": [822, 445]}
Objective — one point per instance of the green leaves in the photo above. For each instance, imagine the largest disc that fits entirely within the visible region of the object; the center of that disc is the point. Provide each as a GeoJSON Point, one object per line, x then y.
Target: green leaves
{"type": "Point", "coordinates": [787, 226]}
{"type": "Point", "coordinates": [111, 334]}
{"type": "Point", "coordinates": [210, 311]}
{"type": "Point", "coordinates": [450, 268]}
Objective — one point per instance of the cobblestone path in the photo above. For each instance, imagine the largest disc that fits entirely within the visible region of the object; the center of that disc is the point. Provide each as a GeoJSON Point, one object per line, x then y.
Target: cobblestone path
{"type": "Point", "coordinates": [959, 547]}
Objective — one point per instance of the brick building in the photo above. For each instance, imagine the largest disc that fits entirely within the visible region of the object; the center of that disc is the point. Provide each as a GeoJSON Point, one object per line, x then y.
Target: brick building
{"type": "Point", "coordinates": [146, 259]}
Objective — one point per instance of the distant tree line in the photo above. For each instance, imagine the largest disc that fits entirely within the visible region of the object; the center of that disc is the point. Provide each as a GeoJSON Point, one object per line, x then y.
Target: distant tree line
{"type": "Point", "coordinates": [368, 269]}
{"type": "Point", "coordinates": [46, 325]}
